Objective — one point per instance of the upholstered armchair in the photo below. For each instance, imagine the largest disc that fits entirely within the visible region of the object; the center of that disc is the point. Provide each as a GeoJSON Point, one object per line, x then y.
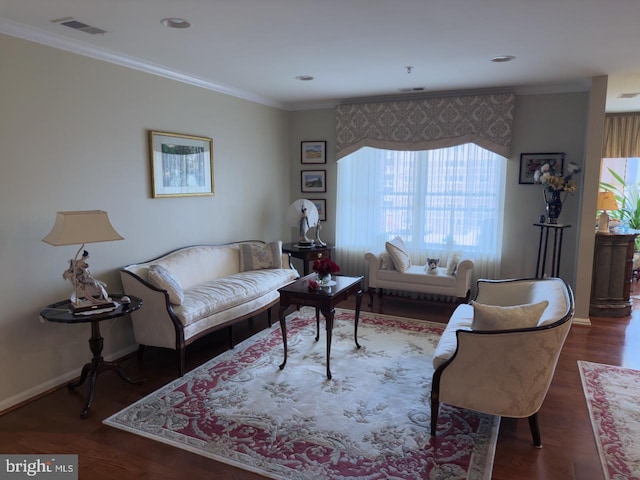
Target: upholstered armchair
{"type": "Point", "coordinates": [505, 371]}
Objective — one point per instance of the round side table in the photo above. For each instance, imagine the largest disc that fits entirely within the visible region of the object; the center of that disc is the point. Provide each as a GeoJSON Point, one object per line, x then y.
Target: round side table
{"type": "Point", "coordinates": [61, 312]}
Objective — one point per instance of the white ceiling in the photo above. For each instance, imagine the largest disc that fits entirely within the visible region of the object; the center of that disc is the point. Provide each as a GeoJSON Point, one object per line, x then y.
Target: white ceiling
{"type": "Point", "coordinates": [254, 49]}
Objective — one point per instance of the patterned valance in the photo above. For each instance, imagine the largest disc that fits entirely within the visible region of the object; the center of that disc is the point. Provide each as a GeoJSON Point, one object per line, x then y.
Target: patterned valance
{"type": "Point", "coordinates": [427, 124]}
{"type": "Point", "coordinates": [621, 135]}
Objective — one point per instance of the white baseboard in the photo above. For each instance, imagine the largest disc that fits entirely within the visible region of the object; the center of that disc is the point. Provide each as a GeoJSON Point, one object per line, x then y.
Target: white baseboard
{"type": "Point", "coordinates": [581, 321]}
{"type": "Point", "coordinates": [57, 382]}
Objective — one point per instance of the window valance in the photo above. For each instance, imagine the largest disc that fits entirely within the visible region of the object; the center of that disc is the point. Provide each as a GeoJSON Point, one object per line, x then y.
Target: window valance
{"type": "Point", "coordinates": [426, 124]}
{"type": "Point", "coordinates": [621, 136]}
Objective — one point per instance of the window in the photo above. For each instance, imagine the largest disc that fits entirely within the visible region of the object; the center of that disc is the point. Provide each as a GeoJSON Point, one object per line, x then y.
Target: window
{"type": "Point", "coordinates": [438, 201]}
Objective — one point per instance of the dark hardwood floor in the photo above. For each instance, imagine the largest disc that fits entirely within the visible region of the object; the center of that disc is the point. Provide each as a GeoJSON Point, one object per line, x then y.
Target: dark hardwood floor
{"type": "Point", "coordinates": [51, 424]}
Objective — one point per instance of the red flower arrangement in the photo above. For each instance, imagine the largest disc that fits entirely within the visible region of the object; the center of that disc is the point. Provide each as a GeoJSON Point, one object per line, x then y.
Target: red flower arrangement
{"type": "Point", "coordinates": [325, 267]}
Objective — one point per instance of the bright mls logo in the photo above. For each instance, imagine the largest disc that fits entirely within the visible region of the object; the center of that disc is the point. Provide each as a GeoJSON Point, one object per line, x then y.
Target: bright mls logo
{"type": "Point", "coordinates": [53, 467]}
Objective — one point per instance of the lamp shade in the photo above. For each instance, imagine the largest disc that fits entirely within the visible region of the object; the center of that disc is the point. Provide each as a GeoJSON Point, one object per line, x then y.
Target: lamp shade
{"type": "Point", "coordinates": [295, 211]}
{"type": "Point", "coordinates": [606, 201]}
{"type": "Point", "coordinates": [79, 227]}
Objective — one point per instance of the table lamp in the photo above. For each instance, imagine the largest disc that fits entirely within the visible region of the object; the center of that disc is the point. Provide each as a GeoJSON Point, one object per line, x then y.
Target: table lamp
{"type": "Point", "coordinates": [82, 227]}
{"type": "Point", "coordinates": [606, 201]}
{"type": "Point", "coordinates": [303, 215]}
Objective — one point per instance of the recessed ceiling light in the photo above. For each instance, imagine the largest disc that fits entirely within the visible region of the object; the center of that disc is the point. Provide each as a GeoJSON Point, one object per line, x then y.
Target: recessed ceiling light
{"type": "Point", "coordinates": [304, 78]}
{"type": "Point", "coordinates": [502, 58]}
{"type": "Point", "coordinates": [175, 22]}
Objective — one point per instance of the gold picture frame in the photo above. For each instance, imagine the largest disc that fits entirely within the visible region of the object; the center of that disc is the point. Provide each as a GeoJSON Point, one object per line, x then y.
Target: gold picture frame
{"type": "Point", "coordinates": [181, 165]}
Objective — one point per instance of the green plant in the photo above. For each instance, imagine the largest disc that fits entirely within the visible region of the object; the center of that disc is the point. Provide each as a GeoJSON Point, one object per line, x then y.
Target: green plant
{"type": "Point", "coordinates": [628, 200]}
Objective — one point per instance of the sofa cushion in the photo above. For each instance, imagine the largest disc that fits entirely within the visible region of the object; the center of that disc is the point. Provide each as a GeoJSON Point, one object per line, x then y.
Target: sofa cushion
{"type": "Point", "coordinates": [161, 278]}
{"type": "Point", "coordinates": [492, 317]}
{"type": "Point", "coordinates": [398, 253]}
{"type": "Point", "coordinates": [258, 256]}
{"type": "Point", "coordinates": [223, 293]}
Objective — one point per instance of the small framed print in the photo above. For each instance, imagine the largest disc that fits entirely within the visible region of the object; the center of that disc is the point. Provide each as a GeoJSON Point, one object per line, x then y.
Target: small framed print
{"type": "Point", "coordinates": [321, 206]}
{"type": "Point", "coordinates": [313, 181]}
{"type": "Point", "coordinates": [530, 162]}
{"type": "Point", "coordinates": [313, 152]}
{"type": "Point", "coordinates": [181, 165]}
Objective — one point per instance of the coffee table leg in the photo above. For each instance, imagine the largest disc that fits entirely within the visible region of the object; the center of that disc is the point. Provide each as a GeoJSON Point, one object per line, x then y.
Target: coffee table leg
{"type": "Point", "coordinates": [283, 329]}
{"type": "Point", "coordinates": [328, 316]}
{"type": "Point", "coordinates": [317, 324]}
{"type": "Point", "coordinates": [358, 303]}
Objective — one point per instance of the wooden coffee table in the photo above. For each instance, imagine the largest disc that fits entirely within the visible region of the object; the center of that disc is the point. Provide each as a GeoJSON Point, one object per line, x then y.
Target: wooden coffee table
{"type": "Point", "coordinates": [324, 300]}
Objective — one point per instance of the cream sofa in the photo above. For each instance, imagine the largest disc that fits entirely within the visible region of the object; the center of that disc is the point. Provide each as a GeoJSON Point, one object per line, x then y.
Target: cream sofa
{"type": "Point", "coordinates": [195, 290]}
{"type": "Point", "coordinates": [498, 354]}
{"type": "Point", "coordinates": [387, 270]}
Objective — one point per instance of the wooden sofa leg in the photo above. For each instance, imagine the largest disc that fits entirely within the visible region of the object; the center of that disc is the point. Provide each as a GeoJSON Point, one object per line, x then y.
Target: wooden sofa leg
{"type": "Point", "coordinates": [181, 360]}
{"type": "Point", "coordinates": [535, 430]}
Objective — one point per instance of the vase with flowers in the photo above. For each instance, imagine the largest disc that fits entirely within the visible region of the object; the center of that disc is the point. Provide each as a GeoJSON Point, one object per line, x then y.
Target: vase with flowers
{"type": "Point", "coordinates": [324, 268]}
{"type": "Point", "coordinates": [556, 184]}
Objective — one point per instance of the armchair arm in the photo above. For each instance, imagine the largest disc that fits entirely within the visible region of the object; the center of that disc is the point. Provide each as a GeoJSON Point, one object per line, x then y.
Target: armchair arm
{"type": "Point", "coordinates": [504, 373]}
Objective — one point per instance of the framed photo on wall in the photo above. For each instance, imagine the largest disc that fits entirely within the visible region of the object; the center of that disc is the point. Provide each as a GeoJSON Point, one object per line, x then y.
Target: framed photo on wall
{"type": "Point", "coordinates": [313, 181]}
{"type": "Point", "coordinates": [181, 165]}
{"type": "Point", "coordinates": [530, 162]}
{"type": "Point", "coordinates": [321, 205]}
{"type": "Point", "coordinates": [313, 152]}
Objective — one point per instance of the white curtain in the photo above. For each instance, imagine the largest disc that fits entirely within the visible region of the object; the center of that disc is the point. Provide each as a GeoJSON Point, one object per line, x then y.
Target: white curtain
{"type": "Point", "coordinates": [437, 201]}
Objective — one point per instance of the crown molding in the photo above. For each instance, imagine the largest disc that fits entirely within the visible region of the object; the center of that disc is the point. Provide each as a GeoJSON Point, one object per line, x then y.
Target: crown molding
{"type": "Point", "coordinates": [49, 39]}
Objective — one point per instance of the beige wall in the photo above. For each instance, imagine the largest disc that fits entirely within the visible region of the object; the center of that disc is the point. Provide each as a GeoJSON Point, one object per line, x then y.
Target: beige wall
{"type": "Point", "coordinates": [73, 137]}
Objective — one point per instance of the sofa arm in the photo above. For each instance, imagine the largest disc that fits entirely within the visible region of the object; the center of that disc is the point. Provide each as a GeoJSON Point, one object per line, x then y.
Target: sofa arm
{"type": "Point", "coordinates": [153, 324]}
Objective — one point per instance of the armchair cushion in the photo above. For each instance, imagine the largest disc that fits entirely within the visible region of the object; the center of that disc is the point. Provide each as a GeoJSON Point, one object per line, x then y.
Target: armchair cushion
{"type": "Point", "coordinates": [493, 317]}
{"type": "Point", "coordinates": [398, 253]}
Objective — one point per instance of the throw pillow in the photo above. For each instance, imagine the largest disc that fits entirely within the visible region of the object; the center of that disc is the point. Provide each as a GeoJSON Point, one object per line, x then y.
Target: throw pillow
{"type": "Point", "coordinates": [258, 256]}
{"type": "Point", "coordinates": [398, 253]}
{"type": "Point", "coordinates": [161, 277]}
{"type": "Point", "coordinates": [452, 263]}
{"type": "Point", "coordinates": [385, 262]}
{"type": "Point", "coordinates": [493, 317]}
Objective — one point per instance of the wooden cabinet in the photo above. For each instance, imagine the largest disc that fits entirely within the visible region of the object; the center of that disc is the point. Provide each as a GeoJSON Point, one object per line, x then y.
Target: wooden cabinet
{"type": "Point", "coordinates": [611, 280]}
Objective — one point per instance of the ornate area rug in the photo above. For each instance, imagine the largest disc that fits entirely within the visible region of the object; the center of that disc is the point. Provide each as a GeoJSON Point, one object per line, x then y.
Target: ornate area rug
{"type": "Point", "coordinates": [613, 398]}
{"type": "Point", "coordinates": [370, 421]}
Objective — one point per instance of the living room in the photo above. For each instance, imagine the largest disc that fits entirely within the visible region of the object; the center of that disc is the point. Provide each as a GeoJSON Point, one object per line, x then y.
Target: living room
{"type": "Point", "coordinates": [74, 137]}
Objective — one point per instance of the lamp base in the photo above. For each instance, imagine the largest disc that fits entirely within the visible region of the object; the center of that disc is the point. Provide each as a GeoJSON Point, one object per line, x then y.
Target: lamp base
{"type": "Point", "coordinates": [603, 224]}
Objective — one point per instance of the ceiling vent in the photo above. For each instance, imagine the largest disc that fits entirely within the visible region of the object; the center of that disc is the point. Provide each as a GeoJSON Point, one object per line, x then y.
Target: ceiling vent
{"type": "Point", "coordinates": [76, 25]}
{"type": "Point", "coordinates": [412, 89]}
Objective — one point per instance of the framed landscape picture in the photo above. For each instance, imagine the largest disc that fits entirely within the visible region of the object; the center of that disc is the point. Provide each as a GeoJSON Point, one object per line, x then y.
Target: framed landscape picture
{"type": "Point", "coordinates": [321, 205]}
{"type": "Point", "coordinates": [313, 181]}
{"type": "Point", "coordinates": [181, 165]}
{"type": "Point", "coordinates": [530, 162]}
{"type": "Point", "coordinates": [313, 152]}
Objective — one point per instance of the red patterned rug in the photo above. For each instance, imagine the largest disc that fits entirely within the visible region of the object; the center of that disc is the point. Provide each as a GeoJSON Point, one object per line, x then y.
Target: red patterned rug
{"type": "Point", "coordinates": [370, 421]}
{"type": "Point", "coordinates": [613, 398]}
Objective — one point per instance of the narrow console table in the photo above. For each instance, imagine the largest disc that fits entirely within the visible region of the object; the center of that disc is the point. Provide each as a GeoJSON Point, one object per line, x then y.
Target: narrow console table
{"type": "Point", "coordinates": [612, 275]}
{"type": "Point", "coordinates": [541, 262]}
{"type": "Point", "coordinates": [61, 312]}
